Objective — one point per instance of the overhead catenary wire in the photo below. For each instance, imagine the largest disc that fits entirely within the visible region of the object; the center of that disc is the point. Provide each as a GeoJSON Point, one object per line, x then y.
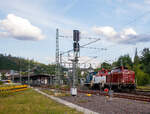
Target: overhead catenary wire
{"type": "Point", "coordinates": [82, 46]}
{"type": "Point", "coordinates": [69, 37]}
{"type": "Point", "coordinates": [140, 16]}
{"type": "Point", "coordinates": [137, 18]}
{"type": "Point", "coordinates": [95, 48]}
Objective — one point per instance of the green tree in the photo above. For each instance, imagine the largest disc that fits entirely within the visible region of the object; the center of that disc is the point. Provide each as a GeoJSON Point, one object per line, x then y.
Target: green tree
{"type": "Point", "coordinates": [8, 62]}
{"type": "Point", "coordinates": [145, 60]}
{"type": "Point", "coordinates": [3, 76]}
{"type": "Point", "coordinates": [125, 61]}
{"type": "Point", "coordinates": [136, 58]}
{"type": "Point", "coordinates": [141, 77]}
{"type": "Point", "coordinates": [106, 65]}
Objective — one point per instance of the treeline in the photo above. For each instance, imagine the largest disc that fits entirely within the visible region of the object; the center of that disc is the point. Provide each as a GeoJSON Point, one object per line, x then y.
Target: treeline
{"type": "Point", "coordinates": [140, 65]}
{"type": "Point", "coordinates": [9, 62]}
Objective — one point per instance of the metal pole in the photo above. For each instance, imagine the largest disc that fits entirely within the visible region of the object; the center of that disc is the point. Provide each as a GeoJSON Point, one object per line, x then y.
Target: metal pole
{"type": "Point", "coordinates": [13, 78]}
{"type": "Point", "coordinates": [74, 73]}
{"type": "Point", "coordinates": [75, 77]}
{"type": "Point", "coordinates": [60, 70]}
{"type": "Point", "coordinates": [28, 72]}
{"type": "Point", "coordinates": [76, 65]}
{"type": "Point", "coordinates": [75, 61]}
{"type": "Point", "coordinates": [20, 70]}
{"type": "Point", "coordinates": [57, 81]}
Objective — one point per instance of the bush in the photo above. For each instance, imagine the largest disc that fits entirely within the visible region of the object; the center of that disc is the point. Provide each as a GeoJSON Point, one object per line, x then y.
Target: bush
{"type": "Point", "coordinates": [1, 82]}
{"type": "Point", "coordinates": [142, 78]}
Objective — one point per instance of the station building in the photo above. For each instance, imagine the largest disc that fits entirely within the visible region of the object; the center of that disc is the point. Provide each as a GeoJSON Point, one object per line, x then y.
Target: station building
{"type": "Point", "coordinates": [34, 80]}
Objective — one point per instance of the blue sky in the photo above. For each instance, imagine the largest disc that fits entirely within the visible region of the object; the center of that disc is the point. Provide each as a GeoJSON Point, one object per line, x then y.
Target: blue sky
{"type": "Point", "coordinates": [27, 27]}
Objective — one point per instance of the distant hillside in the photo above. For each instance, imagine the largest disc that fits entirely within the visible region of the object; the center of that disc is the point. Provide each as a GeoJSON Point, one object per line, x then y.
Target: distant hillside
{"type": "Point", "coordinates": [9, 62]}
{"type": "Point", "coordinates": [14, 63]}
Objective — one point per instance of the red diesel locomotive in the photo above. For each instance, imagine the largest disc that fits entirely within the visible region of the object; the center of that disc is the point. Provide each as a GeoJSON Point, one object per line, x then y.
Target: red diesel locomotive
{"type": "Point", "coordinates": [117, 79]}
{"type": "Point", "coordinates": [121, 78]}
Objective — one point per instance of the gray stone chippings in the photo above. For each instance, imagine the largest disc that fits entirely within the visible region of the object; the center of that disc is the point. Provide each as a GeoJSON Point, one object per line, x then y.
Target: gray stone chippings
{"type": "Point", "coordinates": [71, 105]}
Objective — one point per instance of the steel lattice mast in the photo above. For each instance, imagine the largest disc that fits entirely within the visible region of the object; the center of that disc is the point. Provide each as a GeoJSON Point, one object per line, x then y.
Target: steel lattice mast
{"type": "Point", "coordinates": [57, 78]}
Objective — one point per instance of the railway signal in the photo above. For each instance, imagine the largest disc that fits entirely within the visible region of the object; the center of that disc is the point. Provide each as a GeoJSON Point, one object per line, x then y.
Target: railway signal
{"type": "Point", "coordinates": [76, 34]}
{"type": "Point", "coordinates": [76, 49]}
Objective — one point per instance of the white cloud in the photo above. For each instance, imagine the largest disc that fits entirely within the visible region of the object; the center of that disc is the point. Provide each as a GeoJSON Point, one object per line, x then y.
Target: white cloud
{"type": "Point", "coordinates": [84, 61]}
{"type": "Point", "coordinates": [126, 36]}
{"type": "Point", "coordinates": [147, 1]}
{"type": "Point", "coordinates": [105, 30]}
{"type": "Point", "coordinates": [127, 32]}
{"type": "Point", "coordinates": [4, 34]}
{"type": "Point", "coordinates": [84, 33]}
{"type": "Point", "coordinates": [19, 28]}
{"type": "Point", "coordinates": [48, 60]}
{"type": "Point", "coordinates": [112, 35]}
{"type": "Point", "coordinates": [133, 39]}
{"type": "Point", "coordinates": [40, 15]}
{"type": "Point", "coordinates": [88, 60]}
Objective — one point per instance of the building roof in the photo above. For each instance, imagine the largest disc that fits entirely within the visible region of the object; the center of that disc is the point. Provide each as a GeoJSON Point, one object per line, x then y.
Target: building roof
{"type": "Point", "coordinates": [4, 71]}
{"type": "Point", "coordinates": [32, 76]}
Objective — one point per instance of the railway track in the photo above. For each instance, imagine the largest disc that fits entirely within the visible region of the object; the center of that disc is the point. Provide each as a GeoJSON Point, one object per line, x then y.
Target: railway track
{"type": "Point", "coordinates": [117, 95]}
{"type": "Point", "coordinates": [120, 95]}
{"type": "Point", "coordinates": [142, 93]}
{"type": "Point", "coordinates": [137, 92]}
{"type": "Point", "coordinates": [132, 96]}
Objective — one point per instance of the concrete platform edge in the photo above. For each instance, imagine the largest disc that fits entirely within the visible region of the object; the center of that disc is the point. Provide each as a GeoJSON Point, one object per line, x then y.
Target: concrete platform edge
{"type": "Point", "coordinates": [71, 105]}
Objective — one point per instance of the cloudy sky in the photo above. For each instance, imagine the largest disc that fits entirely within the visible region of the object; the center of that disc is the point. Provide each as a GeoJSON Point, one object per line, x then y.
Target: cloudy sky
{"type": "Point", "coordinates": [28, 28]}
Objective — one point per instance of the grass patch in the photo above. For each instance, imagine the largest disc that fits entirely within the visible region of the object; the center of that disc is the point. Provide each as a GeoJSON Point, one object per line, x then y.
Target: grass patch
{"type": "Point", "coordinates": [143, 88]}
{"type": "Point", "coordinates": [48, 91]}
{"type": "Point", "coordinates": [31, 102]}
{"type": "Point", "coordinates": [1, 82]}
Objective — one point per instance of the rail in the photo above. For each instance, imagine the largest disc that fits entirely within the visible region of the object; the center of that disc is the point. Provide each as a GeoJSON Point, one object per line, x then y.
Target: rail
{"type": "Point", "coordinates": [114, 95]}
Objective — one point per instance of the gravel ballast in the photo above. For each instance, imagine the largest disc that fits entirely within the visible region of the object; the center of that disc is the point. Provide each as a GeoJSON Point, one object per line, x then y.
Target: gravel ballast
{"type": "Point", "coordinates": [105, 105]}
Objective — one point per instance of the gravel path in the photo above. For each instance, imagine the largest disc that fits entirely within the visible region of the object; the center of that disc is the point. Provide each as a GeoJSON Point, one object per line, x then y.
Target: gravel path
{"type": "Point", "coordinates": [104, 105]}
{"type": "Point", "coordinates": [69, 104]}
